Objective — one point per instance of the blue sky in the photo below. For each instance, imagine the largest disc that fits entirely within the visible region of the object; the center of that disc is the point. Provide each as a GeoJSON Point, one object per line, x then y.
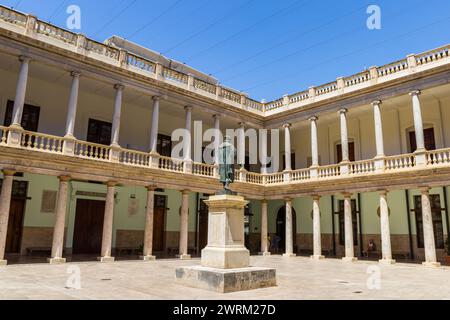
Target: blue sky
{"type": "Point", "coordinates": [266, 48]}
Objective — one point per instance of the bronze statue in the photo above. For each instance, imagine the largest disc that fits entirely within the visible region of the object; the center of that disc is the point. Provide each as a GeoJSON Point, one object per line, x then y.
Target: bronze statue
{"type": "Point", "coordinates": [226, 165]}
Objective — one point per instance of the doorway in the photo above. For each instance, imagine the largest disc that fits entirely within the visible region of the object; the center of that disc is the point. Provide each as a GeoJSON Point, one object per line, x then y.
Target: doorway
{"type": "Point", "coordinates": [88, 229]}
{"type": "Point", "coordinates": [281, 228]}
{"type": "Point", "coordinates": [202, 225]}
{"type": "Point", "coordinates": [159, 218]}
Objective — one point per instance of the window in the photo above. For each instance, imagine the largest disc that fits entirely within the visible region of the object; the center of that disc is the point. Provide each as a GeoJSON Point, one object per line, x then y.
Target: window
{"type": "Point", "coordinates": [30, 116]}
{"type": "Point", "coordinates": [99, 132]}
{"type": "Point", "coordinates": [351, 152]}
{"type": "Point", "coordinates": [436, 217]}
{"type": "Point", "coordinates": [342, 222]}
{"type": "Point", "coordinates": [428, 135]}
{"type": "Point", "coordinates": [164, 145]}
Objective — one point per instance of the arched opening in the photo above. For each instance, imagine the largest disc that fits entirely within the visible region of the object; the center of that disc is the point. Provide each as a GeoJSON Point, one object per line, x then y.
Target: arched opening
{"type": "Point", "coordinates": [281, 228]}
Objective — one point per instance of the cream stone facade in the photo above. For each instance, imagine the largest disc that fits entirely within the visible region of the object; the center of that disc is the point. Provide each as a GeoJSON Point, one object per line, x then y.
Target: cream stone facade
{"type": "Point", "coordinates": [85, 168]}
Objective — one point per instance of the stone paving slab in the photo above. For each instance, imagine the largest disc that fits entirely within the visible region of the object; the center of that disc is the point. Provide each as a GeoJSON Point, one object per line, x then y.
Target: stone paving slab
{"type": "Point", "coordinates": [297, 278]}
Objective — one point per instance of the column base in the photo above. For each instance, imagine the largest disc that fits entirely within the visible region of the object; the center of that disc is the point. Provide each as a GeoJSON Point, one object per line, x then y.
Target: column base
{"type": "Point", "coordinates": [289, 255]}
{"type": "Point", "coordinates": [56, 260]}
{"type": "Point", "coordinates": [264, 254]}
{"type": "Point", "coordinates": [105, 259]}
{"type": "Point", "coordinates": [386, 261]}
{"type": "Point", "coordinates": [147, 258]}
{"type": "Point", "coordinates": [317, 257]}
{"type": "Point", "coordinates": [183, 256]}
{"type": "Point", "coordinates": [349, 259]}
{"type": "Point", "coordinates": [431, 264]}
{"type": "Point", "coordinates": [3, 262]}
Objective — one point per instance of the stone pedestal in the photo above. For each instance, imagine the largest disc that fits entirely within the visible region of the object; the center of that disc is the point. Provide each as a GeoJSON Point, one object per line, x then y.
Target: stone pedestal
{"type": "Point", "coordinates": [147, 258]}
{"type": "Point", "coordinates": [56, 260]}
{"type": "Point", "coordinates": [105, 259]}
{"type": "Point", "coordinates": [225, 260]}
{"type": "Point", "coordinates": [3, 262]}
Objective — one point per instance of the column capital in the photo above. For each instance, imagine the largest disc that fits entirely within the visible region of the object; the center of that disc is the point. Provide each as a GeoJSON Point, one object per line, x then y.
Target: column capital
{"type": "Point", "coordinates": [75, 74]}
{"type": "Point", "coordinates": [376, 103]}
{"type": "Point", "coordinates": [188, 108]}
{"type": "Point", "coordinates": [287, 125]}
{"type": "Point", "coordinates": [119, 86]}
{"type": "Point", "coordinates": [111, 183]}
{"type": "Point", "coordinates": [156, 98]}
{"type": "Point", "coordinates": [316, 197]}
{"type": "Point", "coordinates": [342, 111]}
{"type": "Point", "coordinates": [383, 192]}
{"type": "Point", "coordinates": [415, 93]}
{"type": "Point", "coordinates": [24, 58]}
{"type": "Point", "coordinates": [424, 189]}
{"type": "Point", "coordinates": [151, 187]}
{"type": "Point", "coordinates": [241, 124]}
{"type": "Point", "coordinates": [184, 192]}
{"type": "Point", "coordinates": [64, 178]}
{"type": "Point", "coordinates": [347, 194]}
{"type": "Point", "coordinates": [8, 172]}
{"type": "Point", "coordinates": [288, 199]}
{"type": "Point", "coordinates": [264, 201]}
{"type": "Point", "coordinates": [313, 118]}
{"type": "Point", "coordinates": [217, 116]}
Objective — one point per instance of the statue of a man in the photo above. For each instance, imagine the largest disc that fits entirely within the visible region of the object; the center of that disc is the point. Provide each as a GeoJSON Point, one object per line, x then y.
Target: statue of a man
{"type": "Point", "coordinates": [226, 164]}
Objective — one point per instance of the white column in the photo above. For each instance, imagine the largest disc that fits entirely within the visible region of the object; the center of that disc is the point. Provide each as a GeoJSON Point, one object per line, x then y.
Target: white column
{"type": "Point", "coordinates": [378, 128]}
{"type": "Point", "coordinates": [418, 124]}
{"type": "Point", "coordinates": [317, 235]}
{"type": "Point", "coordinates": [60, 222]}
{"type": "Point", "coordinates": [263, 152]}
{"type": "Point", "coordinates": [155, 125]}
{"type": "Point", "coordinates": [117, 114]}
{"type": "Point", "coordinates": [314, 146]}
{"type": "Point", "coordinates": [108, 220]}
{"type": "Point", "coordinates": [184, 225]}
{"type": "Point", "coordinates": [188, 127]}
{"type": "Point", "coordinates": [264, 229]}
{"type": "Point", "coordinates": [148, 231]}
{"type": "Point", "coordinates": [289, 241]}
{"type": "Point", "coordinates": [72, 105]}
{"type": "Point", "coordinates": [386, 253]}
{"type": "Point", "coordinates": [348, 226]}
{"type": "Point", "coordinates": [287, 147]}
{"type": "Point", "coordinates": [5, 203]}
{"type": "Point", "coordinates": [21, 89]}
{"type": "Point", "coordinates": [428, 232]}
{"type": "Point", "coordinates": [217, 138]}
{"type": "Point", "coordinates": [344, 135]}
{"type": "Point", "coordinates": [241, 145]}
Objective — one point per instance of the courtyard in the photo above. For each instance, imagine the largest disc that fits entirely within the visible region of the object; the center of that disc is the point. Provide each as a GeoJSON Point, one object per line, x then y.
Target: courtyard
{"type": "Point", "coordinates": [298, 278]}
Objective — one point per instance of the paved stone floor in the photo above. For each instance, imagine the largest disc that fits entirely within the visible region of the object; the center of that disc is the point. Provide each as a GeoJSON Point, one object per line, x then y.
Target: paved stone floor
{"type": "Point", "coordinates": [298, 278]}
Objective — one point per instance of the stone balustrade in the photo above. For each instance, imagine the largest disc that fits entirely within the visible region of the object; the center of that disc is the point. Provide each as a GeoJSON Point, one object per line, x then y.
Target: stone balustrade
{"type": "Point", "coordinates": [40, 30]}
{"type": "Point", "coordinates": [39, 142]}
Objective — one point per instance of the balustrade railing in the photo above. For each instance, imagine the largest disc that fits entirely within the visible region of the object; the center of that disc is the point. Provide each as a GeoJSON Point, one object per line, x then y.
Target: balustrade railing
{"type": "Point", "coordinates": [3, 135]}
{"type": "Point", "coordinates": [175, 76]}
{"type": "Point", "coordinates": [169, 164]}
{"type": "Point", "coordinates": [392, 68]}
{"type": "Point", "coordinates": [301, 175]}
{"type": "Point", "coordinates": [274, 178]}
{"type": "Point", "coordinates": [230, 95]}
{"type": "Point", "coordinates": [326, 88]}
{"type": "Point", "coordinates": [102, 49]}
{"type": "Point", "coordinates": [41, 142]}
{"type": "Point", "coordinates": [140, 63]}
{"type": "Point", "coordinates": [404, 161]}
{"type": "Point", "coordinates": [203, 169]}
{"type": "Point", "coordinates": [437, 157]}
{"type": "Point", "coordinates": [433, 55]}
{"type": "Point", "coordinates": [135, 158]}
{"type": "Point", "coordinates": [299, 97]}
{"type": "Point", "coordinates": [12, 16]}
{"type": "Point", "coordinates": [329, 171]}
{"type": "Point", "coordinates": [55, 32]}
{"type": "Point", "coordinates": [254, 178]}
{"type": "Point", "coordinates": [92, 151]}
{"type": "Point", "coordinates": [357, 79]}
{"type": "Point", "coordinates": [362, 167]}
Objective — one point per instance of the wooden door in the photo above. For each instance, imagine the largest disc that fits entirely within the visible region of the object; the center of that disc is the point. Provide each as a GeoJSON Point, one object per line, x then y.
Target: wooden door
{"type": "Point", "coordinates": [159, 214]}
{"type": "Point", "coordinates": [203, 225]}
{"type": "Point", "coordinates": [15, 224]}
{"type": "Point", "coordinates": [428, 136]}
{"type": "Point", "coordinates": [351, 152]}
{"type": "Point", "coordinates": [281, 228]}
{"type": "Point", "coordinates": [88, 229]}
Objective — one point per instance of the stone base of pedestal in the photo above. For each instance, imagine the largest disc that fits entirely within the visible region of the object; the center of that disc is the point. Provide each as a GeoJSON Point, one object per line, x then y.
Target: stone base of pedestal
{"type": "Point", "coordinates": [147, 258]}
{"type": "Point", "coordinates": [289, 255]}
{"type": "Point", "coordinates": [3, 263]}
{"type": "Point", "coordinates": [105, 259]}
{"type": "Point", "coordinates": [264, 254]}
{"type": "Point", "coordinates": [386, 261]}
{"type": "Point", "coordinates": [431, 264]}
{"type": "Point", "coordinates": [313, 257]}
{"type": "Point", "coordinates": [349, 259]}
{"type": "Point", "coordinates": [56, 260]}
{"type": "Point", "coordinates": [226, 280]}
{"type": "Point", "coordinates": [226, 258]}
{"type": "Point", "coordinates": [183, 256]}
